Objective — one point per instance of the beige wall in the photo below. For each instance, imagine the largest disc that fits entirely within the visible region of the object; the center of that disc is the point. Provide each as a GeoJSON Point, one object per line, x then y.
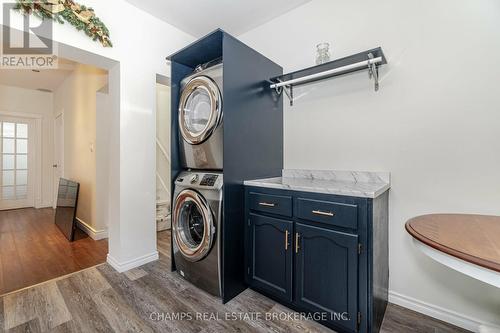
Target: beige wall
{"type": "Point", "coordinates": [76, 99]}
{"type": "Point", "coordinates": [20, 101]}
{"type": "Point", "coordinates": [434, 124]}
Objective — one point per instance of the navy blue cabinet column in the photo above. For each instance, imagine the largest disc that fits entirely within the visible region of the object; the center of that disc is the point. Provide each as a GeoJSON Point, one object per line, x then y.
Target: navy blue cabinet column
{"type": "Point", "coordinates": [253, 135]}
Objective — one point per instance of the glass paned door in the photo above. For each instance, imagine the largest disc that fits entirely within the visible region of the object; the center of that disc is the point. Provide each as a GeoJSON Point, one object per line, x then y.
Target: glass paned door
{"type": "Point", "coordinates": [15, 164]}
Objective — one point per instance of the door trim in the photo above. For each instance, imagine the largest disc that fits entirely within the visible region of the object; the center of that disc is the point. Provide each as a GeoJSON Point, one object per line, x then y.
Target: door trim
{"type": "Point", "coordinates": [37, 155]}
{"type": "Point", "coordinates": [55, 188]}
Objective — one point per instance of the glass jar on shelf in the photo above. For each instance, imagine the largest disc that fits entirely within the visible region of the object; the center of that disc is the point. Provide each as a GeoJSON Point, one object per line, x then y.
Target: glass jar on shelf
{"type": "Point", "coordinates": [323, 53]}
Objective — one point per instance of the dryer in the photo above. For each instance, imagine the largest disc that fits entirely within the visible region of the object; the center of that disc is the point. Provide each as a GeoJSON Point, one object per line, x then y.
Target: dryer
{"type": "Point", "coordinates": [200, 119]}
{"type": "Point", "coordinates": [196, 229]}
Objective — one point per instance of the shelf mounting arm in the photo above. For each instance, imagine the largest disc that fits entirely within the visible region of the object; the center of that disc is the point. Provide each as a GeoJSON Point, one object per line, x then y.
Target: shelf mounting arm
{"type": "Point", "coordinates": [288, 89]}
{"type": "Point", "coordinates": [373, 71]}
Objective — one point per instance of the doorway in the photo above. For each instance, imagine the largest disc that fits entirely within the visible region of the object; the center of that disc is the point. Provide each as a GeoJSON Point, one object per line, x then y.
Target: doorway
{"type": "Point", "coordinates": [16, 163]}
{"type": "Point", "coordinates": [48, 132]}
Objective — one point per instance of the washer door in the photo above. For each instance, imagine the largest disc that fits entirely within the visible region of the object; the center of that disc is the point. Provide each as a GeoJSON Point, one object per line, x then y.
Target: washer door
{"type": "Point", "coordinates": [200, 109]}
{"type": "Point", "coordinates": [193, 226]}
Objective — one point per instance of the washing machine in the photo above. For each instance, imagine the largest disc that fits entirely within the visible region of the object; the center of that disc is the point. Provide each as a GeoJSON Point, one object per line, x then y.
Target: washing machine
{"type": "Point", "coordinates": [200, 118]}
{"type": "Point", "coordinates": [196, 229]}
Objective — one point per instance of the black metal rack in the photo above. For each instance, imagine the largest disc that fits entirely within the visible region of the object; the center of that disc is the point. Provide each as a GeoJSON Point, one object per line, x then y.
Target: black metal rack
{"type": "Point", "coordinates": [369, 60]}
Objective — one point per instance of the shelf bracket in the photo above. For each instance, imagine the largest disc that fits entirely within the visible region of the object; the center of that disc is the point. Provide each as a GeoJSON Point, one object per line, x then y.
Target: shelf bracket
{"type": "Point", "coordinates": [373, 71]}
{"type": "Point", "coordinates": [288, 91]}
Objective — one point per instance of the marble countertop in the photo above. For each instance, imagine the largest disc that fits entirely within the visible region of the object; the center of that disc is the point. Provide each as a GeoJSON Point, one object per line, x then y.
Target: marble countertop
{"type": "Point", "coordinates": [349, 183]}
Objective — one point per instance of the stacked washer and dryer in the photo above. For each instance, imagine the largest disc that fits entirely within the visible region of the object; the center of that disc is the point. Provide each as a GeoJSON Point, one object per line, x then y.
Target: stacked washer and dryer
{"type": "Point", "coordinates": [197, 207]}
{"type": "Point", "coordinates": [227, 126]}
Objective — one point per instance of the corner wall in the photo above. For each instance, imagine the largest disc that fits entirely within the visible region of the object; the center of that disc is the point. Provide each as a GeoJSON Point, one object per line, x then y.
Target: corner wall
{"type": "Point", "coordinates": [434, 124]}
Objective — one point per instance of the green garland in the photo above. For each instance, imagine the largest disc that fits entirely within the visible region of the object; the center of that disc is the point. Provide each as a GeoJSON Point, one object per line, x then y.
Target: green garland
{"type": "Point", "coordinates": [79, 16]}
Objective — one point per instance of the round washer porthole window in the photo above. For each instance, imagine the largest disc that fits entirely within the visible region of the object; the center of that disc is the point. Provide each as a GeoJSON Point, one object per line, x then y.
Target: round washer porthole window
{"type": "Point", "coordinates": [192, 225]}
{"type": "Point", "coordinates": [199, 109]}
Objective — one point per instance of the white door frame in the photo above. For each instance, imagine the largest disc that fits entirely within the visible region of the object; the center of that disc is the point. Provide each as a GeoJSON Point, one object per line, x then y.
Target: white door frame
{"type": "Point", "coordinates": [61, 162]}
{"type": "Point", "coordinates": [36, 146]}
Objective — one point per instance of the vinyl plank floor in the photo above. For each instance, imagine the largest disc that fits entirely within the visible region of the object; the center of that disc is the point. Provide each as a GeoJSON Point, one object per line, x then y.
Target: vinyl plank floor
{"type": "Point", "coordinates": [33, 250]}
{"type": "Point", "coordinates": [44, 303]}
{"type": "Point", "coordinates": [163, 240]}
{"type": "Point", "coordinates": [119, 314]}
{"type": "Point", "coordinates": [83, 309]}
{"type": "Point", "coordinates": [32, 326]}
{"type": "Point", "coordinates": [152, 299]}
{"type": "Point", "coordinates": [2, 321]}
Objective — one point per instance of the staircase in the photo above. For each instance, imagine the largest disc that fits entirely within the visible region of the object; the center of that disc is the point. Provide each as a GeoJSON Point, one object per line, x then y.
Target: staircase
{"type": "Point", "coordinates": [163, 207]}
{"type": "Point", "coordinates": [163, 221]}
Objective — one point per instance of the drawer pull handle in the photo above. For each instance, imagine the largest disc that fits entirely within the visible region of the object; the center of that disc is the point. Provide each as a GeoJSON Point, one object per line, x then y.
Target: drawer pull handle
{"type": "Point", "coordinates": [297, 246]}
{"type": "Point", "coordinates": [266, 204]}
{"type": "Point", "coordinates": [286, 240]}
{"type": "Point", "coordinates": [319, 212]}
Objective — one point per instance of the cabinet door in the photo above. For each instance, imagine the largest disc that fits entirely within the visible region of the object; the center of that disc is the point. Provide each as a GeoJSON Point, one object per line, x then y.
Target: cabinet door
{"type": "Point", "coordinates": [326, 275]}
{"type": "Point", "coordinates": [270, 257]}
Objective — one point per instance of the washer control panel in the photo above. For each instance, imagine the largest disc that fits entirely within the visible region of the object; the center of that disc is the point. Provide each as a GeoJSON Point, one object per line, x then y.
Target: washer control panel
{"type": "Point", "coordinates": [200, 179]}
{"type": "Point", "coordinates": [209, 180]}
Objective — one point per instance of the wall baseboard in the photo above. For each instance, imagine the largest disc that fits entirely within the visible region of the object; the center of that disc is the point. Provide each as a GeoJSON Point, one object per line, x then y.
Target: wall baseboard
{"type": "Point", "coordinates": [437, 312]}
{"type": "Point", "coordinates": [43, 205]}
{"type": "Point", "coordinates": [129, 264]}
{"type": "Point", "coordinates": [89, 230]}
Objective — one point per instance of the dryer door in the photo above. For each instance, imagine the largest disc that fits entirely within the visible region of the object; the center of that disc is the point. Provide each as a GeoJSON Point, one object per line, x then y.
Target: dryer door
{"type": "Point", "coordinates": [200, 109]}
{"type": "Point", "coordinates": [192, 225]}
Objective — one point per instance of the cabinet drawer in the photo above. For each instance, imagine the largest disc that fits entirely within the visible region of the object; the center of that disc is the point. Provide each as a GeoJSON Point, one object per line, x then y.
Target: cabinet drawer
{"type": "Point", "coordinates": [269, 203]}
{"type": "Point", "coordinates": [328, 212]}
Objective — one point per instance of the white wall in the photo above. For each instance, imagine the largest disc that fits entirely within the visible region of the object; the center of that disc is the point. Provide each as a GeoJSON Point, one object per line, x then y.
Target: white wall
{"type": "Point", "coordinates": [102, 151]}
{"type": "Point", "coordinates": [141, 43]}
{"type": "Point", "coordinates": [434, 124]}
{"type": "Point", "coordinates": [75, 98]}
{"type": "Point", "coordinates": [14, 100]}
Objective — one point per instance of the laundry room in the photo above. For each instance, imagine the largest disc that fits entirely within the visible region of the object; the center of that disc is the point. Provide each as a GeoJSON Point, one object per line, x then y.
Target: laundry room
{"type": "Point", "coordinates": [250, 166]}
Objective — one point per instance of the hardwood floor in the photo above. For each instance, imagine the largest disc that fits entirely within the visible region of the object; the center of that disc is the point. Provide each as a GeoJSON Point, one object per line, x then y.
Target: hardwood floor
{"type": "Point", "coordinates": [145, 299]}
{"type": "Point", "coordinates": [33, 250]}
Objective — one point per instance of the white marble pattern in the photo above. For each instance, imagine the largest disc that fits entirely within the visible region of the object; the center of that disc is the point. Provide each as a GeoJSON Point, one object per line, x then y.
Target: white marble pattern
{"type": "Point", "coordinates": [342, 176]}
{"type": "Point", "coordinates": [349, 183]}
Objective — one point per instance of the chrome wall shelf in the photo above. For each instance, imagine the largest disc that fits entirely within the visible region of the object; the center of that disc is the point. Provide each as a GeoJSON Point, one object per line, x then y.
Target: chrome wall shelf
{"type": "Point", "coordinates": [369, 60]}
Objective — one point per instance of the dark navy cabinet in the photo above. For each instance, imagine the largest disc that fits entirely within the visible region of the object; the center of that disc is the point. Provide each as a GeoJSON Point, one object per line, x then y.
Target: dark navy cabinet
{"type": "Point", "coordinates": [326, 273]}
{"type": "Point", "coordinates": [271, 265]}
{"type": "Point", "coordinates": [324, 255]}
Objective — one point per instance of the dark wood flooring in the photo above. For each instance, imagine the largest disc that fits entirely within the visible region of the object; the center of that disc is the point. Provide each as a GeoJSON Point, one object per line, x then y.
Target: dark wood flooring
{"type": "Point", "coordinates": [146, 299]}
{"type": "Point", "coordinates": [33, 250]}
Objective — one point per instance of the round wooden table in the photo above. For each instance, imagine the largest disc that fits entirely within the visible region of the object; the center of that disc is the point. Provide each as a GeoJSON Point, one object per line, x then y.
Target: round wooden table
{"type": "Point", "coordinates": [469, 244]}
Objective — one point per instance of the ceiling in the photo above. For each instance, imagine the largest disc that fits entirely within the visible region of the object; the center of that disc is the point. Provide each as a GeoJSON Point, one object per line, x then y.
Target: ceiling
{"type": "Point", "coordinates": [48, 79]}
{"type": "Point", "coordinates": [199, 17]}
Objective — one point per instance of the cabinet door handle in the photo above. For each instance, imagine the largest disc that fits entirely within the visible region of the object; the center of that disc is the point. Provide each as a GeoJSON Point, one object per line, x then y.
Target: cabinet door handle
{"type": "Point", "coordinates": [267, 204]}
{"type": "Point", "coordinates": [297, 239]}
{"type": "Point", "coordinates": [286, 240]}
{"type": "Point", "coordinates": [319, 212]}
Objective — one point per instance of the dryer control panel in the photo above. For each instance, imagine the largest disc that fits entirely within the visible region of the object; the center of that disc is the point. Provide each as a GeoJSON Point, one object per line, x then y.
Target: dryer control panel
{"type": "Point", "coordinates": [200, 180]}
